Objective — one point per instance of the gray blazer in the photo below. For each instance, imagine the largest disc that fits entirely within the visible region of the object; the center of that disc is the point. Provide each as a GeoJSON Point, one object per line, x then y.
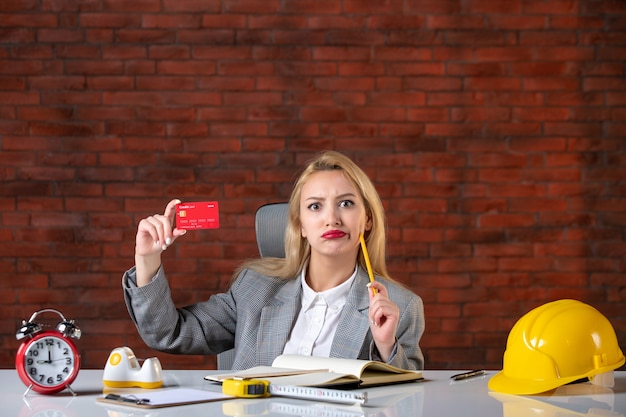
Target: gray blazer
{"type": "Point", "coordinates": [255, 317]}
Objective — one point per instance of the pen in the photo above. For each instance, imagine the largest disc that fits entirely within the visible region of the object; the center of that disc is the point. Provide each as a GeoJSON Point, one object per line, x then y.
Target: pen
{"type": "Point", "coordinates": [367, 260]}
{"type": "Point", "coordinates": [129, 399]}
{"type": "Point", "coordinates": [466, 375]}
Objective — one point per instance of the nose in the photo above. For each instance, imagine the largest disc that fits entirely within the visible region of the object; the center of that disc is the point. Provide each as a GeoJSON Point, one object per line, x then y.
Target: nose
{"type": "Point", "coordinates": [332, 216]}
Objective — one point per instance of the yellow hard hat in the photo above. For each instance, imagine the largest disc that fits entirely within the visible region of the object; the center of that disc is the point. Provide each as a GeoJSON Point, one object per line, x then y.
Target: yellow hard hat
{"type": "Point", "coordinates": [555, 344]}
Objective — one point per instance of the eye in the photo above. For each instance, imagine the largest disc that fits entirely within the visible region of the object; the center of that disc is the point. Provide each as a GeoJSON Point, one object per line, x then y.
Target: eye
{"type": "Point", "coordinates": [314, 207]}
{"type": "Point", "coordinates": [346, 203]}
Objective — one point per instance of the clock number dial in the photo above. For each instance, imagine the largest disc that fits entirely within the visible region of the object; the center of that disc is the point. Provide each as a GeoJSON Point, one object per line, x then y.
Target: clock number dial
{"type": "Point", "coordinates": [49, 361]}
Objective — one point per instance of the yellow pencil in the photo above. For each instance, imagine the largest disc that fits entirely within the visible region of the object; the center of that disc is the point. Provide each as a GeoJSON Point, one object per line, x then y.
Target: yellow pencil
{"type": "Point", "coordinates": [367, 261]}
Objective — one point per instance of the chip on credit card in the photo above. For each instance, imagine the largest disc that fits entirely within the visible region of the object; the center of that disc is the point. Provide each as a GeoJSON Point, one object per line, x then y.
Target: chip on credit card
{"type": "Point", "coordinates": [197, 215]}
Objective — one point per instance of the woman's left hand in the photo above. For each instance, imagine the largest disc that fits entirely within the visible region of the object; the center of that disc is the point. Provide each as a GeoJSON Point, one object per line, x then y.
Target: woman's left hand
{"type": "Point", "coordinates": [384, 316]}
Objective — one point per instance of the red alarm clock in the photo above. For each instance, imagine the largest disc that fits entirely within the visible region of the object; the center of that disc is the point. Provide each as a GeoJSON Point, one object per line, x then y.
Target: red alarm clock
{"type": "Point", "coordinates": [47, 361]}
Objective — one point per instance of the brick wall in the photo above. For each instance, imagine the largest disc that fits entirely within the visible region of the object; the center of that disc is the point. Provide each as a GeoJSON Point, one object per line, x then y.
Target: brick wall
{"type": "Point", "coordinates": [494, 131]}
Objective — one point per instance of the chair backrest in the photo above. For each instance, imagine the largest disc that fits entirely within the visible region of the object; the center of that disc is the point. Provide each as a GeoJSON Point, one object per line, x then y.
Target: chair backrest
{"type": "Point", "coordinates": [270, 225]}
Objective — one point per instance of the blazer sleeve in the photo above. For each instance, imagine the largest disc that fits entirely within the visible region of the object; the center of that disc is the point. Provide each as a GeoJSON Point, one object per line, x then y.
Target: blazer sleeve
{"type": "Point", "coordinates": [203, 328]}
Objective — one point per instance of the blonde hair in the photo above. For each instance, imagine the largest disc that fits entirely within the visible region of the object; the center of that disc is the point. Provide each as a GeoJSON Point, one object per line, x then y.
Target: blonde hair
{"type": "Point", "coordinates": [297, 248]}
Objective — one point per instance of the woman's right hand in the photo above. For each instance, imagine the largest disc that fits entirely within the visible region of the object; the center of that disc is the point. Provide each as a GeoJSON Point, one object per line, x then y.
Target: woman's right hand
{"type": "Point", "coordinates": [154, 235]}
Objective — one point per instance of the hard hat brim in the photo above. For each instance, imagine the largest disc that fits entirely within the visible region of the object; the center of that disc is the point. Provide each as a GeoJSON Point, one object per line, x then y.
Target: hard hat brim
{"type": "Point", "coordinates": [502, 383]}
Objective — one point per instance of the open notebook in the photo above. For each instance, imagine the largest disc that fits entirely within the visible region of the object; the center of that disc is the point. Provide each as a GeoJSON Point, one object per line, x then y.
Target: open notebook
{"type": "Point", "coordinates": [316, 371]}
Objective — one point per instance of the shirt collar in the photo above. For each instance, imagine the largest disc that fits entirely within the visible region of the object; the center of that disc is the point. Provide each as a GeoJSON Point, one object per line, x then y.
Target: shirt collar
{"type": "Point", "coordinates": [333, 296]}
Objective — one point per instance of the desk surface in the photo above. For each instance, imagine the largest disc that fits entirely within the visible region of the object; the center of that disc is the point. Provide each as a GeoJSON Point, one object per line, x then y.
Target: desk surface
{"type": "Point", "coordinates": [435, 396]}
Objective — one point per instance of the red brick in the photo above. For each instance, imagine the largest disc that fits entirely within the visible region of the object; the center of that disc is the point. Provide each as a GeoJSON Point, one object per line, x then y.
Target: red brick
{"type": "Point", "coordinates": [449, 250]}
{"type": "Point", "coordinates": [109, 20]}
{"type": "Point", "coordinates": [42, 20]}
{"type": "Point", "coordinates": [551, 83]}
{"type": "Point", "coordinates": [148, 36]}
{"type": "Point", "coordinates": [255, 37]}
{"type": "Point", "coordinates": [137, 6]}
{"type": "Point", "coordinates": [66, 129]}
{"type": "Point", "coordinates": [170, 114]}
{"type": "Point", "coordinates": [191, 6]}
{"type": "Point", "coordinates": [273, 21]}
{"type": "Point", "coordinates": [563, 53]}
{"type": "Point", "coordinates": [33, 52]}
{"type": "Point", "coordinates": [124, 52]}
{"type": "Point", "coordinates": [576, 21]}
{"type": "Point", "coordinates": [68, 97]}
{"type": "Point", "coordinates": [252, 6]}
{"type": "Point", "coordinates": [39, 113]}
{"type": "Point", "coordinates": [95, 67]}
{"type": "Point", "coordinates": [474, 236]}
{"type": "Point", "coordinates": [520, 264]}
{"type": "Point", "coordinates": [467, 265]}
{"type": "Point", "coordinates": [476, 324]}
{"type": "Point", "coordinates": [517, 22]}
{"type": "Point", "coordinates": [573, 129]}
{"type": "Point", "coordinates": [455, 22]}
{"type": "Point", "coordinates": [506, 220]}
{"type": "Point", "coordinates": [539, 114]}
{"type": "Point", "coordinates": [19, 98]}
{"type": "Point", "coordinates": [225, 83]}
{"type": "Point", "coordinates": [16, 35]}
{"type": "Point", "coordinates": [111, 83]}
{"type": "Point", "coordinates": [416, 69]}
{"type": "Point", "coordinates": [19, 5]}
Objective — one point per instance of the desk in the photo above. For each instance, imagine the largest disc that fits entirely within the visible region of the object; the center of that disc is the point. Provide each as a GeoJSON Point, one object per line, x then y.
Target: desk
{"type": "Point", "coordinates": [435, 396]}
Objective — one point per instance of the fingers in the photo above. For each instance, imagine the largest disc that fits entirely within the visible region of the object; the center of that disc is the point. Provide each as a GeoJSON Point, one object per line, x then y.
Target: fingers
{"type": "Point", "coordinates": [382, 310]}
{"type": "Point", "coordinates": [168, 219]}
{"type": "Point", "coordinates": [159, 229]}
{"type": "Point", "coordinates": [384, 316]}
{"type": "Point", "coordinates": [170, 210]}
{"type": "Point", "coordinates": [163, 229]}
{"type": "Point", "coordinates": [378, 287]}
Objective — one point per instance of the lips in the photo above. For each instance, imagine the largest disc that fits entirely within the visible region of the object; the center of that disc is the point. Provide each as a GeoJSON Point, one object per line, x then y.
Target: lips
{"type": "Point", "coordinates": [334, 234]}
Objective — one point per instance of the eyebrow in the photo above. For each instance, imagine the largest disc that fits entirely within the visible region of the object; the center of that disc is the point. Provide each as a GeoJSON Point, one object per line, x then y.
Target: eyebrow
{"type": "Point", "coordinates": [339, 197]}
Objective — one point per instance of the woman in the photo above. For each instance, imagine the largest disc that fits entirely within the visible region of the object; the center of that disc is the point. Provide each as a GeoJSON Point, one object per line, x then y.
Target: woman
{"type": "Point", "coordinates": [316, 301]}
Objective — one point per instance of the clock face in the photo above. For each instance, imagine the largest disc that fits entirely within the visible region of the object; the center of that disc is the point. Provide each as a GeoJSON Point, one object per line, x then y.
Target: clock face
{"type": "Point", "coordinates": [48, 361]}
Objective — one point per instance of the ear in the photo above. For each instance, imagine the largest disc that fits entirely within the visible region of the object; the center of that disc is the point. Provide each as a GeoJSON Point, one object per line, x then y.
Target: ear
{"type": "Point", "coordinates": [368, 223]}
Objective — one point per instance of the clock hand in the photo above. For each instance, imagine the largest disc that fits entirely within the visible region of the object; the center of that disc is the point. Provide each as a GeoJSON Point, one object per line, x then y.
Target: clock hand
{"type": "Point", "coordinates": [49, 358]}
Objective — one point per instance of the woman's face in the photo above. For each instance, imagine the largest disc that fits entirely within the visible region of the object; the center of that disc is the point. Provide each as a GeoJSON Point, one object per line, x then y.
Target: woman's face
{"type": "Point", "coordinates": [332, 214]}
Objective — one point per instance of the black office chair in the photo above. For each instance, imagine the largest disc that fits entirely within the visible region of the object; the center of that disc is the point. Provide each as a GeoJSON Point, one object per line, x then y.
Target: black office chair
{"type": "Point", "coordinates": [270, 224]}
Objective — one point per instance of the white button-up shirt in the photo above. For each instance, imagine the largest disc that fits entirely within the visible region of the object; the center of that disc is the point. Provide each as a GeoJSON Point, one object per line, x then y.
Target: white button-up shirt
{"type": "Point", "coordinates": [315, 327]}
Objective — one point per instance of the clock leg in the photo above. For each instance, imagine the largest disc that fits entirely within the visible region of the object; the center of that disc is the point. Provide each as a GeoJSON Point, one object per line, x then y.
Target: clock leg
{"type": "Point", "coordinates": [27, 390]}
{"type": "Point", "coordinates": [71, 390]}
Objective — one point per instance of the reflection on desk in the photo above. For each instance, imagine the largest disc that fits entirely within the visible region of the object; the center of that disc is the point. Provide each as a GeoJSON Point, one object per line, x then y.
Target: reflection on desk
{"type": "Point", "coordinates": [437, 395]}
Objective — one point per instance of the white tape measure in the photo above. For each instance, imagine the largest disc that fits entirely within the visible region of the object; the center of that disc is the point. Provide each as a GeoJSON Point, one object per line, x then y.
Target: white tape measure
{"type": "Point", "coordinates": [255, 388]}
{"type": "Point", "coordinates": [321, 394]}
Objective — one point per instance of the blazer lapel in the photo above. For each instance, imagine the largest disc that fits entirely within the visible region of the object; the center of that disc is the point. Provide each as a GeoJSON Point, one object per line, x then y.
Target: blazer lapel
{"type": "Point", "coordinates": [277, 320]}
{"type": "Point", "coordinates": [354, 323]}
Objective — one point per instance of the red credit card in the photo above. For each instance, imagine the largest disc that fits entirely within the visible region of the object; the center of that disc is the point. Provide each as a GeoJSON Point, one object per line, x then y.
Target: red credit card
{"type": "Point", "coordinates": [200, 215]}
